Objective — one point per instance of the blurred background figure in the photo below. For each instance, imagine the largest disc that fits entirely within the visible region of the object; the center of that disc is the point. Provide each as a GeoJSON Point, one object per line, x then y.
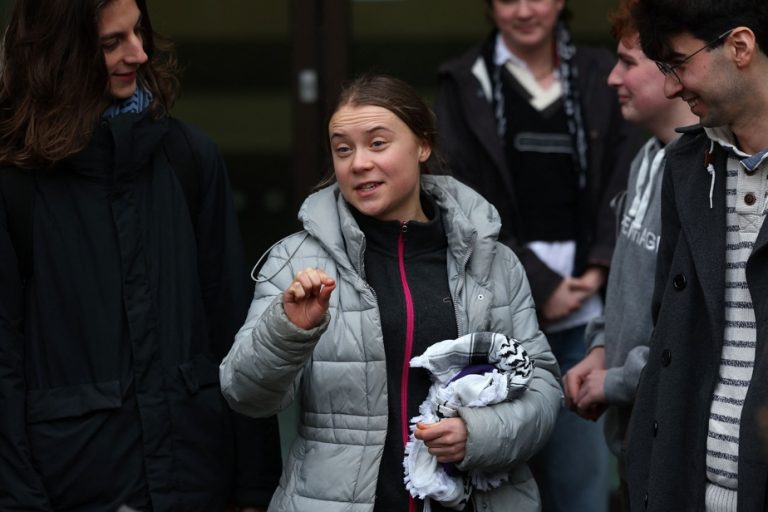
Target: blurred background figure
{"type": "Point", "coordinates": [618, 340]}
{"type": "Point", "coordinates": [528, 120]}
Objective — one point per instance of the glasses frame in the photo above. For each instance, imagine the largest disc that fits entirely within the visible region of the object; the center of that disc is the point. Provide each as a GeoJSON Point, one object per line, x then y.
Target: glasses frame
{"type": "Point", "coordinates": [669, 69]}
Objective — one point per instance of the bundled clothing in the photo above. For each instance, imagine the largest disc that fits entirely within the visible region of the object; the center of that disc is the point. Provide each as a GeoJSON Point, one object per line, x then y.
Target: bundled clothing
{"type": "Point", "coordinates": [627, 323]}
{"type": "Point", "coordinates": [475, 370]}
{"type": "Point", "coordinates": [110, 340]}
{"type": "Point", "coordinates": [343, 370]}
{"type": "Point", "coordinates": [695, 433]}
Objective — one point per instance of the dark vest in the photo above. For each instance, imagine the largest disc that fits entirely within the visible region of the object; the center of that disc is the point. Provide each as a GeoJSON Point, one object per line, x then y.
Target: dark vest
{"type": "Point", "coordinates": [539, 155]}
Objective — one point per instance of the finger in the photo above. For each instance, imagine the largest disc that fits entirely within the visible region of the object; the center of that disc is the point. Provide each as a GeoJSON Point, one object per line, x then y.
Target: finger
{"type": "Point", "coordinates": [325, 293]}
{"type": "Point", "coordinates": [428, 432]}
{"type": "Point", "coordinates": [445, 456]}
{"type": "Point", "coordinates": [570, 385]}
{"type": "Point", "coordinates": [310, 280]}
{"type": "Point", "coordinates": [295, 292]}
{"type": "Point", "coordinates": [445, 451]}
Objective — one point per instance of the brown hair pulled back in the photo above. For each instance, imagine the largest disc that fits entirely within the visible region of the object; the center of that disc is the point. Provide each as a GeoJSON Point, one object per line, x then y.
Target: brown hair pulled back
{"type": "Point", "coordinates": [401, 99]}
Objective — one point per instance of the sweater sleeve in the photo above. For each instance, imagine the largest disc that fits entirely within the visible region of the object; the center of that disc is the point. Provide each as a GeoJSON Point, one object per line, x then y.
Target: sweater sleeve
{"type": "Point", "coordinates": [594, 335]}
{"type": "Point", "coordinates": [504, 435]}
{"type": "Point", "coordinates": [260, 375]}
{"type": "Point", "coordinates": [22, 487]}
{"type": "Point", "coordinates": [621, 382]}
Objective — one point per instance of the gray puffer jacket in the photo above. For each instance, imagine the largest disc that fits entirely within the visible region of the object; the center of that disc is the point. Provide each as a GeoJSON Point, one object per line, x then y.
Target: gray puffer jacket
{"type": "Point", "coordinates": [338, 371]}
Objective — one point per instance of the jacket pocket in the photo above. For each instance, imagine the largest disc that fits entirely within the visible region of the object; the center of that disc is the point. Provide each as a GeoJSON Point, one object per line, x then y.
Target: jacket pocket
{"type": "Point", "coordinates": [197, 373]}
{"type": "Point", "coordinates": [202, 433]}
{"type": "Point", "coordinates": [520, 494]}
{"type": "Point", "coordinates": [85, 443]}
{"type": "Point", "coordinates": [72, 401]}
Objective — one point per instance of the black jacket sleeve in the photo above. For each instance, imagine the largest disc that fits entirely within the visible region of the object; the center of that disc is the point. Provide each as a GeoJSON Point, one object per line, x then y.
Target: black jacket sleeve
{"type": "Point", "coordinates": [226, 294]}
{"type": "Point", "coordinates": [21, 487]}
{"type": "Point", "coordinates": [475, 168]}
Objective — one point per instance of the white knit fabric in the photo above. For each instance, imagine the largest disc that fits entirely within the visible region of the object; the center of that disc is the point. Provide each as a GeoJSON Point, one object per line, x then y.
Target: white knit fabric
{"type": "Point", "coordinates": [509, 375]}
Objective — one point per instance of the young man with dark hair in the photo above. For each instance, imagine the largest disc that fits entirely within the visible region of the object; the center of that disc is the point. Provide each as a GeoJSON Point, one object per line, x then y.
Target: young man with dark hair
{"type": "Point", "coordinates": [606, 379]}
{"type": "Point", "coordinates": [694, 440]}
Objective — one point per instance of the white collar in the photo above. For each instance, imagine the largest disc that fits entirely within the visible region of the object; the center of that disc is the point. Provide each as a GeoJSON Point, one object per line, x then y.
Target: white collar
{"type": "Point", "coordinates": [502, 54]}
{"type": "Point", "coordinates": [724, 136]}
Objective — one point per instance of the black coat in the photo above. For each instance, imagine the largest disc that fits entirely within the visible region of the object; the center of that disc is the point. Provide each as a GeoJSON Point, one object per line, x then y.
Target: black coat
{"type": "Point", "coordinates": [668, 432]}
{"type": "Point", "coordinates": [109, 389]}
{"type": "Point", "coordinates": [476, 156]}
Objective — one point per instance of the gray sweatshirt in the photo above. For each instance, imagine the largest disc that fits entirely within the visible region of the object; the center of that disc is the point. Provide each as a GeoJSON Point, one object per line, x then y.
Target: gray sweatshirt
{"type": "Point", "coordinates": [625, 327]}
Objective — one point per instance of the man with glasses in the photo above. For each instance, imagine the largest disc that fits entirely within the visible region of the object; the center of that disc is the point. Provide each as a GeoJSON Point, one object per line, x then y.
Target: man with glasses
{"type": "Point", "coordinates": [695, 441]}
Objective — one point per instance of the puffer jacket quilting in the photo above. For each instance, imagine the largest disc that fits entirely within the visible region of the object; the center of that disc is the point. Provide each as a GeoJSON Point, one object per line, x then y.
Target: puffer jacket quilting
{"type": "Point", "coordinates": [338, 371]}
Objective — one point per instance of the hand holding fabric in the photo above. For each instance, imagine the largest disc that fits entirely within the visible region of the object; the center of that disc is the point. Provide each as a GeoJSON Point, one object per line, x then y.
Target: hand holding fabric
{"type": "Point", "coordinates": [446, 439]}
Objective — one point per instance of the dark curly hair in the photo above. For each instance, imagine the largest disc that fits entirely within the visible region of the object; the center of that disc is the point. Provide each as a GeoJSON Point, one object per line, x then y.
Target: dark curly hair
{"type": "Point", "coordinates": [659, 20]}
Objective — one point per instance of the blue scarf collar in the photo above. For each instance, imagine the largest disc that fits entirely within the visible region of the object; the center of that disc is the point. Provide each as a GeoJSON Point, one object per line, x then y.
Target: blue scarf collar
{"type": "Point", "coordinates": [137, 103]}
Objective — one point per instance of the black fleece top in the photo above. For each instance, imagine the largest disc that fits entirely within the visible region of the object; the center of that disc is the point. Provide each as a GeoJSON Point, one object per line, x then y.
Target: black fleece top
{"type": "Point", "coordinates": [425, 264]}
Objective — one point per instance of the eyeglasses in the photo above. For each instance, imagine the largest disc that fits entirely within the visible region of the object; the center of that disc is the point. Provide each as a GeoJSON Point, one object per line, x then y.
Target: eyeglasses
{"type": "Point", "coordinates": [669, 69]}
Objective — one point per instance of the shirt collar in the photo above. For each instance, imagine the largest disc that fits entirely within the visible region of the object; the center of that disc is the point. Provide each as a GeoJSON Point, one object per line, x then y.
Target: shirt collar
{"type": "Point", "coordinates": [724, 136]}
{"type": "Point", "coordinates": [502, 54]}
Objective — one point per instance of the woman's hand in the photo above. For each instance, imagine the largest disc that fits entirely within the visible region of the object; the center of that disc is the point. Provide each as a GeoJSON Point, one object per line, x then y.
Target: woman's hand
{"type": "Point", "coordinates": [571, 293]}
{"type": "Point", "coordinates": [567, 298]}
{"type": "Point", "coordinates": [306, 299]}
{"type": "Point", "coordinates": [446, 439]}
{"type": "Point", "coordinates": [591, 280]}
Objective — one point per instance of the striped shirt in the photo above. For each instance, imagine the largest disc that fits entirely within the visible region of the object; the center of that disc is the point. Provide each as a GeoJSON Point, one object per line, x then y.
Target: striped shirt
{"type": "Point", "coordinates": [745, 207]}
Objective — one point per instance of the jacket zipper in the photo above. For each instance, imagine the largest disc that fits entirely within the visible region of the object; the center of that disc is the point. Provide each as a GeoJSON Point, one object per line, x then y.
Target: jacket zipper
{"type": "Point", "coordinates": [409, 328]}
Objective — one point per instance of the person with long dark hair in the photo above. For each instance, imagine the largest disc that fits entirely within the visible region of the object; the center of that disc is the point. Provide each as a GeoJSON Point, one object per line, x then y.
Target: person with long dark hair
{"type": "Point", "coordinates": [393, 259]}
{"type": "Point", "coordinates": [122, 283]}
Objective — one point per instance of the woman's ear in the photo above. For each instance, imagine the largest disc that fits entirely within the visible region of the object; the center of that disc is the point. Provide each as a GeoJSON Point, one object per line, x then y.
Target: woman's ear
{"type": "Point", "coordinates": [425, 150]}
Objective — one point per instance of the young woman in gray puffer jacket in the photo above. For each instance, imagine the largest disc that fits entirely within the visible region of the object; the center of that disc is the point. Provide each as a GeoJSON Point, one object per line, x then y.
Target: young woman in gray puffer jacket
{"type": "Point", "coordinates": [391, 260]}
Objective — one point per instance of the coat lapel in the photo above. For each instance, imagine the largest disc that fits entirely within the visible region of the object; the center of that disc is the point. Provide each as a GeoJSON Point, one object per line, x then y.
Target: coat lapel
{"type": "Point", "coordinates": [704, 227]}
{"type": "Point", "coordinates": [478, 111]}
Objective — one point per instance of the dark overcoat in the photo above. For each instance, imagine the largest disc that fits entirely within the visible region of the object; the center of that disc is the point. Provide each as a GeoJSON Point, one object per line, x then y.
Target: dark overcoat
{"type": "Point", "coordinates": [667, 444]}
{"type": "Point", "coordinates": [109, 348]}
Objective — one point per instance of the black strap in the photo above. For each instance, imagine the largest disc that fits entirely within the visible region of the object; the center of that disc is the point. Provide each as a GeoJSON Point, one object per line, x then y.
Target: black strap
{"type": "Point", "coordinates": [181, 154]}
{"type": "Point", "coordinates": [17, 188]}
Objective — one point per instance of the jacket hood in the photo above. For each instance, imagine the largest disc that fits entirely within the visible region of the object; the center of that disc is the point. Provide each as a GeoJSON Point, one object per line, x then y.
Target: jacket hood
{"type": "Point", "coordinates": [471, 224]}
